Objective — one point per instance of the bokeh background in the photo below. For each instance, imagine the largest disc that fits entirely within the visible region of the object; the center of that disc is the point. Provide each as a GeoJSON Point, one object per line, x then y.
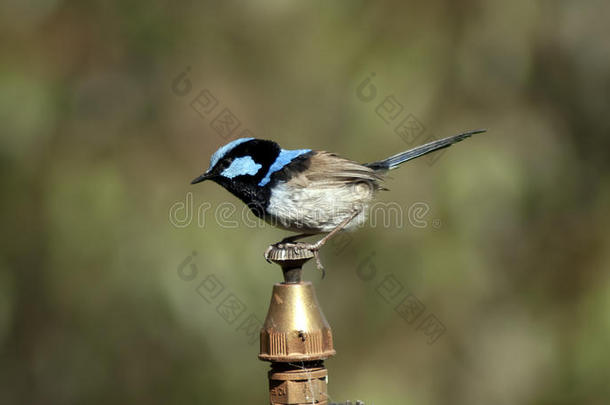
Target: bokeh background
{"type": "Point", "coordinates": [507, 247]}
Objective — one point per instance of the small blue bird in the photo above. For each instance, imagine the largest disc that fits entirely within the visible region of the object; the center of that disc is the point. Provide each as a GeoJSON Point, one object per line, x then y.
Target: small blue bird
{"type": "Point", "coordinates": [305, 191]}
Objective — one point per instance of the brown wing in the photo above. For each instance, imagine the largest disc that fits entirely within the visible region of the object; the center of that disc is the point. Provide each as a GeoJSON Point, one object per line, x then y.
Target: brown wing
{"type": "Point", "coordinates": [329, 170]}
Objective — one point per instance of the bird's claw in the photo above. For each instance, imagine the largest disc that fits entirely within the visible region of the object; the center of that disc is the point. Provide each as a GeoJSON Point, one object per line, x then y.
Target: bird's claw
{"type": "Point", "coordinates": [279, 245]}
{"type": "Point", "coordinates": [316, 255]}
{"type": "Point", "coordinates": [315, 249]}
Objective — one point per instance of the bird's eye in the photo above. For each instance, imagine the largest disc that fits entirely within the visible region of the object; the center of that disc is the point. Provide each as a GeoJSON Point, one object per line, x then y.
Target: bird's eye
{"type": "Point", "coordinates": [223, 164]}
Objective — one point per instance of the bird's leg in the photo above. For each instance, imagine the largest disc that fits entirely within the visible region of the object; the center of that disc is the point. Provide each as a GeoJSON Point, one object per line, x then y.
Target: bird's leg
{"type": "Point", "coordinates": [315, 247]}
{"type": "Point", "coordinates": [332, 233]}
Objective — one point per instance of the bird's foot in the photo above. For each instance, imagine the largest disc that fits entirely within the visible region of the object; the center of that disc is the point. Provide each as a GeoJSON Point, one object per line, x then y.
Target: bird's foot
{"type": "Point", "coordinates": [312, 247]}
{"type": "Point", "coordinates": [315, 249]}
{"type": "Point", "coordinates": [285, 244]}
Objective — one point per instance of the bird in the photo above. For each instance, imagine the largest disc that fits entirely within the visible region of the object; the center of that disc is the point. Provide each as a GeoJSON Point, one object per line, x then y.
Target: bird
{"type": "Point", "coordinates": [306, 191]}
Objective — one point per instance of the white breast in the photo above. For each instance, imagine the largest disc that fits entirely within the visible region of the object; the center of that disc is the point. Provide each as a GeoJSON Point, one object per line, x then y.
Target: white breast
{"type": "Point", "coordinates": [317, 209]}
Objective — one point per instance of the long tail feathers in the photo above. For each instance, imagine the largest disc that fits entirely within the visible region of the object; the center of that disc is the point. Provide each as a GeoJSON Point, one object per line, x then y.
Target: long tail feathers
{"type": "Point", "coordinates": [394, 161]}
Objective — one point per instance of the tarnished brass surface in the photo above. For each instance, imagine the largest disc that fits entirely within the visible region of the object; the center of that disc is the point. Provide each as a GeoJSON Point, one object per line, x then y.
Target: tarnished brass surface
{"type": "Point", "coordinates": [295, 337]}
{"type": "Point", "coordinates": [294, 384]}
{"type": "Point", "coordinates": [295, 328]}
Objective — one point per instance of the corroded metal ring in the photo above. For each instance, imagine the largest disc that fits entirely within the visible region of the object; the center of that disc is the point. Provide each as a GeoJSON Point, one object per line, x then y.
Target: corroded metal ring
{"type": "Point", "coordinates": [284, 252]}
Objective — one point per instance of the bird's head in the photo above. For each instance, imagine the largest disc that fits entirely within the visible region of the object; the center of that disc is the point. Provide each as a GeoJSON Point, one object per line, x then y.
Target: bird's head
{"type": "Point", "coordinates": [244, 160]}
{"type": "Point", "coordinates": [248, 168]}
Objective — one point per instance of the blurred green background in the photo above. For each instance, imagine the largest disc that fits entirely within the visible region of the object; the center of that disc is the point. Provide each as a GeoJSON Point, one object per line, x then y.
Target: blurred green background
{"type": "Point", "coordinates": [508, 249]}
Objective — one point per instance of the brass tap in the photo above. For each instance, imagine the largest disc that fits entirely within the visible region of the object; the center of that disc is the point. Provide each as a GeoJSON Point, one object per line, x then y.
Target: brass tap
{"type": "Point", "coordinates": [295, 338]}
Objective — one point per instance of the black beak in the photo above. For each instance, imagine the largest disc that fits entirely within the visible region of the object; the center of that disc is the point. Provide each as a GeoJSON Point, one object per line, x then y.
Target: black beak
{"type": "Point", "coordinates": [201, 178]}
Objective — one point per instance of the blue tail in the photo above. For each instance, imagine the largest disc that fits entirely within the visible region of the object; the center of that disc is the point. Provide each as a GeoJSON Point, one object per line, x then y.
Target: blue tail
{"type": "Point", "coordinates": [394, 161]}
